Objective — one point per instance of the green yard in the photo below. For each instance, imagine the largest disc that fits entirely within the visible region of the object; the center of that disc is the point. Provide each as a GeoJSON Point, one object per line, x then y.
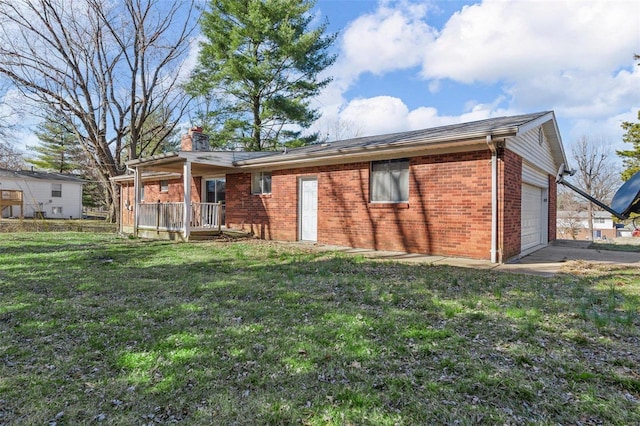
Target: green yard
{"type": "Point", "coordinates": [97, 328]}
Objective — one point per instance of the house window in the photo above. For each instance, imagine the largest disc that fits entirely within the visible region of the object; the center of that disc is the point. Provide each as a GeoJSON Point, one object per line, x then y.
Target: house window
{"type": "Point", "coordinates": [56, 210]}
{"type": "Point", "coordinates": [215, 191]}
{"type": "Point", "coordinates": [164, 186]}
{"type": "Point", "coordinates": [261, 183]}
{"type": "Point", "coordinates": [56, 190]}
{"type": "Point", "coordinates": [390, 181]}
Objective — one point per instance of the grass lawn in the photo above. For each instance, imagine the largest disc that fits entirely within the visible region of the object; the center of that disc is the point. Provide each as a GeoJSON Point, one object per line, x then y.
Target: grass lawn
{"type": "Point", "coordinates": [106, 330]}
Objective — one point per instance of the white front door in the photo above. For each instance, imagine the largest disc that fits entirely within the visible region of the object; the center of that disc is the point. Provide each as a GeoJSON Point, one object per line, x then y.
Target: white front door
{"type": "Point", "coordinates": [308, 209]}
{"type": "Point", "coordinates": [532, 217]}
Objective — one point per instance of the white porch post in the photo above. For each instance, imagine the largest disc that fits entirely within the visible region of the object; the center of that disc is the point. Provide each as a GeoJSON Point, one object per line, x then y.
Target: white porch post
{"type": "Point", "coordinates": [137, 185]}
{"type": "Point", "coordinates": [187, 198]}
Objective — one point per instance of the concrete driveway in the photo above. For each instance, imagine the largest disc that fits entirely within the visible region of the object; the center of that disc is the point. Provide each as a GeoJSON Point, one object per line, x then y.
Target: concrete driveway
{"type": "Point", "coordinates": [547, 261]}
{"type": "Point", "coordinates": [551, 259]}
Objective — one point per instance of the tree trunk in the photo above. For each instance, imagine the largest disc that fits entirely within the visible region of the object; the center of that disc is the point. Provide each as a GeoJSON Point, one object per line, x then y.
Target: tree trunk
{"type": "Point", "coordinates": [590, 220]}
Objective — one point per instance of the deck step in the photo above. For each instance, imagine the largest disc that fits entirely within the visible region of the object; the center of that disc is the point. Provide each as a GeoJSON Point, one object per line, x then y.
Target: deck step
{"type": "Point", "coordinates": [204, 235]}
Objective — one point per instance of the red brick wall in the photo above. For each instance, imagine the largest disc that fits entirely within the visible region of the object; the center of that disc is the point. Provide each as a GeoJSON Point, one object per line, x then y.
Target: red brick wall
{"type": "Point", "coordinates": [269, 216]}
{"type": "Point", "coordinates": [152, 194]}
{"type": "Point", "coordinates": [509, 204]}
{"type": "Point", "coordinates": [448, 213]}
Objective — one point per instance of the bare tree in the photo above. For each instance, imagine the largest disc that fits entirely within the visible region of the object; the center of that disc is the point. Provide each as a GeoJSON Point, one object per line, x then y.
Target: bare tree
{"type": "Point", "coordinates": [10, 159]}
{"type": "Point", "coordinates": [339, 130]}
{"type": "Point", "coordinates": [570, 206]}
{"type": "Point", "coordinates": [9, 113]}
{"type": "Point", "coordinates": [106, 67]}
{"type": "Point", "coordinates": [595, 172]}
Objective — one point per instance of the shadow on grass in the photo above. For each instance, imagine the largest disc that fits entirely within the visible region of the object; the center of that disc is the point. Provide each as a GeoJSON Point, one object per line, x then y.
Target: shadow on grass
{"type": "Point", "coordinates": [616, 247]}
{"type": "Point", "coordinates": [262, 334]}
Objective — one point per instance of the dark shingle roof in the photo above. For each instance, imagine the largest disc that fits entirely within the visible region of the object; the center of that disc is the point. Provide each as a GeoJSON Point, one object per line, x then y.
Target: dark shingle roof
{"type": "Point", "coordinates": [452, 132]}
{"type": "Point", "coordinates": [34, 174]}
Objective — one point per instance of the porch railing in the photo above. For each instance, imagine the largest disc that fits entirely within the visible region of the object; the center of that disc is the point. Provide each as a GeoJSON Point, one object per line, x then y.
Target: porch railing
{"type": "Point", "coordinates": [170, 216]}
{"type": "Point", "coordinates": [207, 215]}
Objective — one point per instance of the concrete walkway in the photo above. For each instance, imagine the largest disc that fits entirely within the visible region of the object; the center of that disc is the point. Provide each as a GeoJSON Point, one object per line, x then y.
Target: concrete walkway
{"type": "Point", "coordinates": [547, 261]}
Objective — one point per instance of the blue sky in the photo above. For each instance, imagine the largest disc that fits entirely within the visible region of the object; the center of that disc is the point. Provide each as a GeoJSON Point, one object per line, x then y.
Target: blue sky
{"type": "Point", "coordinates": [413, 64]}
{"type": "Point", "coordinates": [406, 64]}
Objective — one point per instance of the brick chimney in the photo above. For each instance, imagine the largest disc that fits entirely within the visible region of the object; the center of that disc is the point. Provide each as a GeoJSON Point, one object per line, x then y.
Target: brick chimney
{"type": "Point", "coordinates": [195, 140]}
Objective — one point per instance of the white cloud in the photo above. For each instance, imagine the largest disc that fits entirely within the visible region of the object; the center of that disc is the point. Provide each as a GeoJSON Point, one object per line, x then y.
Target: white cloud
{"type": "Point", "coordinates": [387, 40]}
{"type": "Point", "coordinates": [378, 115]}
{"type": "Point", "coordinates": [517, 40]}
{"type": "Point", "coordinates": [391, 38]}
{"type": "Point", "coordinates": [388, 114]}
{"type": "Point", "coordinates": [568, 56]}
{"type": "Point", "coordinates": [579, 93]}
{"type": "Point", "coordinates": [607, 128]}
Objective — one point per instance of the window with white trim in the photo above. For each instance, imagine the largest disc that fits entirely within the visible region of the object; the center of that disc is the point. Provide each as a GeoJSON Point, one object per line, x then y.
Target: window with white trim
{"type": "Point", "coordinates": [390, 181]}
{"type": "Point", "coordinates": [164, 186]}
{"type": "Point", "coordinates": [261, 183]}
{"type": "Point", "coordinates": [56, 190]}
{"type": "Point", "coordinates": [56, 210]}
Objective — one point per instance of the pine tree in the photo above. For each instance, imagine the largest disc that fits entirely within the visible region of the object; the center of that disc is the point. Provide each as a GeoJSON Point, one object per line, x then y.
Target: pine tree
{"type": "Point", "coordinates": [631, 157]}
{"type": "Point", "coordinates": [59, 150]}
{"type": "Point", "coordinates": [260, 65]}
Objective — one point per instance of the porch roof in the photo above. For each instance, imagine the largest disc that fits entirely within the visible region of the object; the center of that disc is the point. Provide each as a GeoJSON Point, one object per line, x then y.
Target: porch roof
{"type": "Point", "coordinates": [201, 161]}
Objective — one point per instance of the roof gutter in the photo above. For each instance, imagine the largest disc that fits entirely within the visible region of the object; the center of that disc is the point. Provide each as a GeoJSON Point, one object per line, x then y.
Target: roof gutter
{"type": "Point", "coordinates": [156, 159]}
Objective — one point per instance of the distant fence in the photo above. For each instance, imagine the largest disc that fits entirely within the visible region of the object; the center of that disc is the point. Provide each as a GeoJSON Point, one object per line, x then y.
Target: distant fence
{"type": "Point", "coordinates": [57, 225]}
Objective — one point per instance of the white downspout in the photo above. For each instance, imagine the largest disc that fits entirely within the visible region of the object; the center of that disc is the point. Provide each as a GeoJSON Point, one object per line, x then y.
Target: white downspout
{"type": "Point", "coordinates": [187, 199]}
{"type": "Point", "coordinates": [494, 198]}
{"type": "Point", "coordinates": [137, 183]}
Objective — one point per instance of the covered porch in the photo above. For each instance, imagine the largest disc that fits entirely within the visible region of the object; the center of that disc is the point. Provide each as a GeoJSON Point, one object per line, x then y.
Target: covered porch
{"type": "Point", "coordinates": [168, 196]}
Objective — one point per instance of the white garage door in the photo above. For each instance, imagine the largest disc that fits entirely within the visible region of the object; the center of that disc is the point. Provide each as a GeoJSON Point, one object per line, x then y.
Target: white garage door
{"type": "Point", "coordinates": [532, 217]}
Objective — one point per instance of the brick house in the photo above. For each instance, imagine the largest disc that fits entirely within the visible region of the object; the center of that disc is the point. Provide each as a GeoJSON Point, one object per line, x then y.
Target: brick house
{"type": "Point", "coordinates": [483, 190]}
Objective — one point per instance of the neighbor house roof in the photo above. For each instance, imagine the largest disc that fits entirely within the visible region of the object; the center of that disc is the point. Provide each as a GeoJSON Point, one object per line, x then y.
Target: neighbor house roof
{"type": "Point", "coordinates": [568, 214]}
{"type": "Point", "coordinates": [453, 136]}
{"type": "Point", "coordinates": [38, 175]}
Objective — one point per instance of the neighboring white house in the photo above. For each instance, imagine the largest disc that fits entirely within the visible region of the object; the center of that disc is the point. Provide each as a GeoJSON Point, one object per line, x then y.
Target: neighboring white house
{"type": "Point", "coordinates": [51, 195]}
{"type": "Point", "coordinates": [574, 225]}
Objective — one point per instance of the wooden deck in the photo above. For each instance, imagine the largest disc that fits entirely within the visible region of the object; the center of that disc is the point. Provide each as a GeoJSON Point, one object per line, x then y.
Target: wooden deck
{"type": "Point", "coordinates": [10, 198]}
